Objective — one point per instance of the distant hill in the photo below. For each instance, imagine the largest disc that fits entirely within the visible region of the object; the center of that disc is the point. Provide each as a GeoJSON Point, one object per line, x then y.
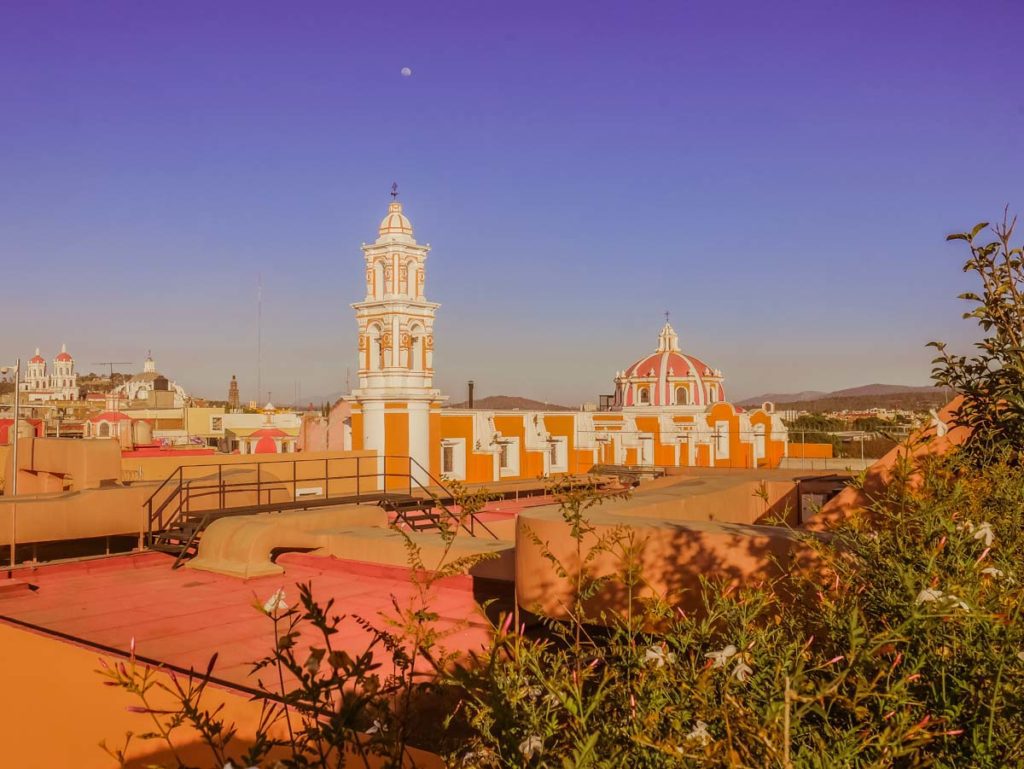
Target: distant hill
{"type": "Point", "coordinates": [859, 398]}
{"type": "Point", "coordinates": [509, 403]}
{"type": "Point", "coordinates": [806, 395]}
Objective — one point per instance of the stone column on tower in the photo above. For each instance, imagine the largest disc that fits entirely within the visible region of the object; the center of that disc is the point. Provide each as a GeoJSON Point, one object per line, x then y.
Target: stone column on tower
{"type": "Point", "coordinates": [395, 399]}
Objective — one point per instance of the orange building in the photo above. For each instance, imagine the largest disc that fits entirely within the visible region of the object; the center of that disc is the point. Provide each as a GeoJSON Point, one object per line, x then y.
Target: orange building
{"type": "Point", "coordinates": [669, 408]}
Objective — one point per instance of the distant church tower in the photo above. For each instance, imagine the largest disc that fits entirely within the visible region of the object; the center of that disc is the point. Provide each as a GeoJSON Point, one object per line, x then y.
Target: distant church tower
{"type": "Point", "coordinates": [233, 401]}
{"type": "Point", "coordinates": [393, 403]}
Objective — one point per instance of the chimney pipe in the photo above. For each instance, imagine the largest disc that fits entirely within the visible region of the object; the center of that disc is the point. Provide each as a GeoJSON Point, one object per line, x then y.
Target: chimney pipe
{"type": "Point", "coordinates": [471, 393]}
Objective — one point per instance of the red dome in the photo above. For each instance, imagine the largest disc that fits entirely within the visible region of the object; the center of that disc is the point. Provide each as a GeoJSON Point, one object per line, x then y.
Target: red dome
{"type": "Point", "coordinates": [37, 359]}
{"type": "Point", "coordinates": [62, 356]}
{"type": "Point", "coordinates": [669, 377]}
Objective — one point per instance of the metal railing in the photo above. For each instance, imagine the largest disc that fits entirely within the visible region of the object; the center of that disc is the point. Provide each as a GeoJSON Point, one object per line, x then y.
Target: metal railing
{"type": "Point", "coordinates": [208, 490]}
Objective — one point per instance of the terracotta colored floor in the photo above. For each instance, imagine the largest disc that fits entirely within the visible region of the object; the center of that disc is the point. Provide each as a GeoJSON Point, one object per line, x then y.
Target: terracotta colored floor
{"type": "Point", "coordinates": [181, 617]}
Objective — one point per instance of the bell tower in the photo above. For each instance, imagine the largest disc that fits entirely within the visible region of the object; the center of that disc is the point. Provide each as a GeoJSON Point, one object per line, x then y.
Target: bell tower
{"type": "Point", "coordinates": [396, 395]}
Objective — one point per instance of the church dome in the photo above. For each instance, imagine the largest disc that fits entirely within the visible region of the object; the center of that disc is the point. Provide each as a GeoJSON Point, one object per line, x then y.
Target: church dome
{"type": "Point", "coordinates": [37, 358]}
{"type": "Point", "coordinates": [63, 355]}
{"type": "Point", "coordinates": [669, 377]}
{"type": "Point", "coordinates": [395, 222]}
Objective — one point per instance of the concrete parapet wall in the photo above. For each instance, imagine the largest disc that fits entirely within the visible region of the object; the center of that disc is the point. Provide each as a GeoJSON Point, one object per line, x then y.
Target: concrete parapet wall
{"type": "Point", "coordinates": [700, 523]}
{"type": "Point", "coordinates": [671, 557]}
{"type": "Point", "coordinates": [75, 514]}
{"type": "Point", "coordinates": [244, 546]}
{"type": "Point", "coordinates": [63, 464]}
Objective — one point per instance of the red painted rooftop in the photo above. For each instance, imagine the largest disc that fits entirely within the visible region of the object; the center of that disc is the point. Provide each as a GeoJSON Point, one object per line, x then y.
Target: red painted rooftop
{"type": "Point", "coordinates": [182, 617]}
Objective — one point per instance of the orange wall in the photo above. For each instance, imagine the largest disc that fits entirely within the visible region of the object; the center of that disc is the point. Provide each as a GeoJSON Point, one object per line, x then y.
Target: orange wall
{"type": "Point", "coordinates": [810, 450]}
{"type": "Point", "coordinates": [357, 428]}
{"type": "Point", "coordinates": [479, 465]}
{"type": "Point", "coordinates": [55, 713]}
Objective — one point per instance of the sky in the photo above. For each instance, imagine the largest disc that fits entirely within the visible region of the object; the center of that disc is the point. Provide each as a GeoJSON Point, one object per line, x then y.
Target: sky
{"type": "Point", "coordinates": [779, 176]}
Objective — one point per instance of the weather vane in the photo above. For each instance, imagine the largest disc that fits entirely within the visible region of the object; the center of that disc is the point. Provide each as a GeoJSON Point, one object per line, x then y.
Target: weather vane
{"type": "Point", "coordinates": [394, 190]}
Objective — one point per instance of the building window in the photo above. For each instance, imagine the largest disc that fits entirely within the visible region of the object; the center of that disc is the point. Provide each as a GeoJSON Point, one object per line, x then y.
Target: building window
{"type": "Point", "coordinates": [645, 396]}
{"type": "Point", "coordinates": [104, 431]}
{"type": "Point", "coordinates": [759, 443]}
{"type": "Point", "coordinates": [682, 396]}
{"type": "Point", "coordinates": [721, 440]}
{"type": "Point", "coordinates": [453, 458]}
{"type": "Point", "coordinates": [558, 456]}
{"type": "Point", "coordinates": [508, 457]}
{"type": "Point", "coordinates": [712, 393]}
{"type": "Point", "coordinates": [216, 424]}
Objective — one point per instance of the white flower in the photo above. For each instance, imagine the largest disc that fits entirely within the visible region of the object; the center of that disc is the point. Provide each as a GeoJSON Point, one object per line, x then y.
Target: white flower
{"type": "Point", "coordinates": [377, 727]}
{"type": "Point", "coordinates": [700, 733]}
{"type": "Point", "coordinates": [531, 746]}
{"type": "Point", "coordinates": [984, 533]}
{"type": "Point", "coordinates": [992, 571]}
{"type": "Point", "coordinates": [721, 656]}
{"type": "Point", "coordinates": [657, 655]}
{"type": "Point", "coordinates": [276, 602]}
{"type": "Point", "coordinates": [931, 595]}
{"type": "Point", "coordinates": [742, 671]}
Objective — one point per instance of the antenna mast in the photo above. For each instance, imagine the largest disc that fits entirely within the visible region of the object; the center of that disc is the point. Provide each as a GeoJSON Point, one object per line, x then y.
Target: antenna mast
{"type": "Point", "coordinates": [259, 336]}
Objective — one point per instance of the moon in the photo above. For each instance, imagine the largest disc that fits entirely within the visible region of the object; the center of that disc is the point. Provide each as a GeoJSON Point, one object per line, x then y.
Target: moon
{"type": "Point", "coordinates": [406, 71]}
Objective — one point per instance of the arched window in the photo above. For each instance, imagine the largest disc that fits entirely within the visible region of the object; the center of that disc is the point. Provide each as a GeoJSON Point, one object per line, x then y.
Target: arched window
{"type": "Point", "coordinates": [104, 431]}
{"type": "Point", "coordinates": [416, 348]}
{"type": "Point", "coordinates": [645, 396]}
{"type": "Point", "coordinates": [378, 279]}
{"type": "Point", "coordinates": [411, 278]}
{"type": "Point", "coordinates": [712, 393]}
{"type": "Point", "coordinates": [376, 362]}
{"type": "Point", "coordinates": [682, 396]}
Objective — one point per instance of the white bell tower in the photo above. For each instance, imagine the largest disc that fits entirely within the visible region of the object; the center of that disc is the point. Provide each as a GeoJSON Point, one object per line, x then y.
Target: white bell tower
{"type": "Point", "coordinates": [396, 347]}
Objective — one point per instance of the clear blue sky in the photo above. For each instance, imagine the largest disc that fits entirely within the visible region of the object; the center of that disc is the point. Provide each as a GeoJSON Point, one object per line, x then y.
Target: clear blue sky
{"type": "Point", "coordinates": [779, 175]}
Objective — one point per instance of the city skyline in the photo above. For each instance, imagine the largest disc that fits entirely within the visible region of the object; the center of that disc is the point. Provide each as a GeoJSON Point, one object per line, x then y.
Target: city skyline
{"type": "Point", "coordinates": [782, 186]}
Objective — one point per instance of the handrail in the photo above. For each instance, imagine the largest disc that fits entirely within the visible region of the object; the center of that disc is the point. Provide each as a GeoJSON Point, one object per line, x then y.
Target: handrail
{"type": "Point", "coordinates": [473, 518]}
{"type": "Point", "coordinates": [183, 489]}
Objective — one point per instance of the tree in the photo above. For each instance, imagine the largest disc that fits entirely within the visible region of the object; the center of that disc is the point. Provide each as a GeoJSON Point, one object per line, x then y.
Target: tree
{"type": "Point", "coordinates": [992, 380]}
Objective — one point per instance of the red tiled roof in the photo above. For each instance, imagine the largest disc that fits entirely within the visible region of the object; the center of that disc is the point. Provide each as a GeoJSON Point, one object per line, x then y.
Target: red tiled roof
{"type": "Point", "coordinates": [109, 416]}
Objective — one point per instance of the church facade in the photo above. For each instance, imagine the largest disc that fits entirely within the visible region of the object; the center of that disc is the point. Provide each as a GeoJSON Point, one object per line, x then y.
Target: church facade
{"type": "Point", "coordinates": [58, 384]}
{"type": "Point", "coordinates": [669, 408]}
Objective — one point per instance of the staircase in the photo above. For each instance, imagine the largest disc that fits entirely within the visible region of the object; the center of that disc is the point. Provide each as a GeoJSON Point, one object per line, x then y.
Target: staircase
{"type": "Point", "coordinates": [181, 540]}
{"type": "Point", "coordinates": [415, 513]}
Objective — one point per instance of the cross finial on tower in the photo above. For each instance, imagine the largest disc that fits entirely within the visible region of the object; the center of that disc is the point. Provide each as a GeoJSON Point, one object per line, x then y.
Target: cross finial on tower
{"type": "Point", "coordinates": [394, 190]}
{"type": "Point", "coordinates": [666, 316]}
